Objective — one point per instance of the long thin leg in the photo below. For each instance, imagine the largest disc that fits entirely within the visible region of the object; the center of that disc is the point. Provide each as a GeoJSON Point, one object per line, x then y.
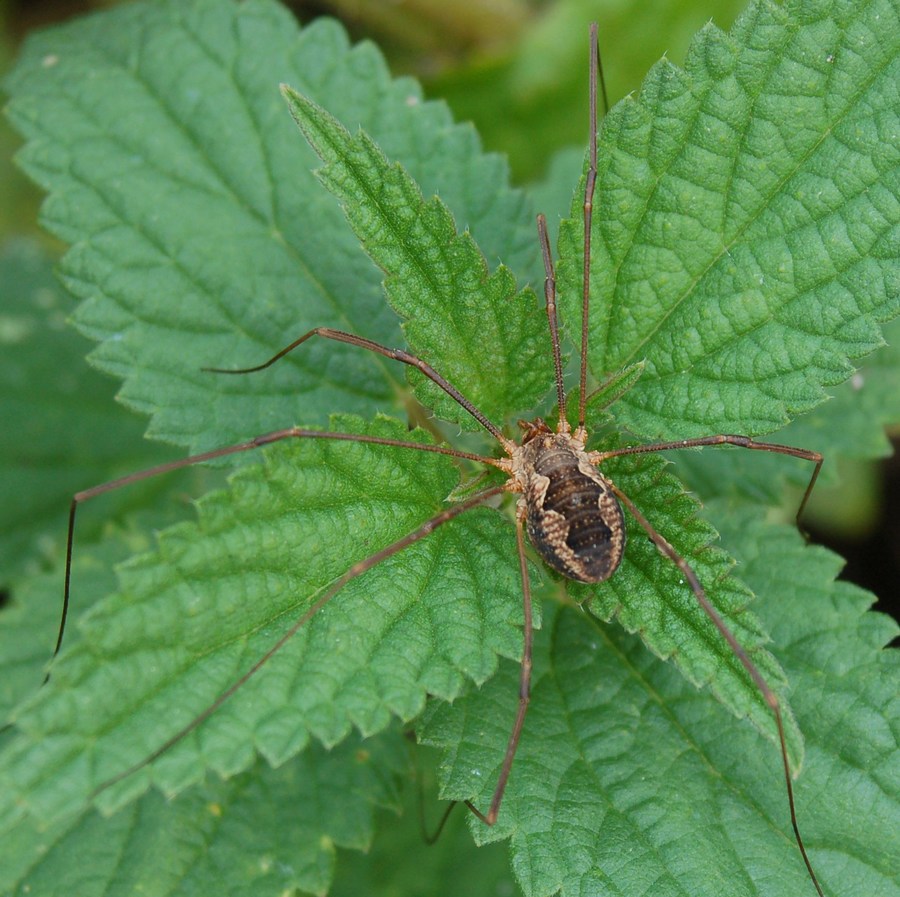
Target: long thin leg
{"type": "Point", "coordinates": [553, 319]}
{"type": "Point", "coordinates": [490, 818]}
{"type": "Point", "coordinates": [400, 355]}
{"type": "Point", "coordinates": [258, 441]}
{"type": "Point", "coordinates": [604, 96]}
{"type": "Point", "coordinates": [549, 276]}
{"type": "Point", "coordinates": [588, 217]}
{"type": "Point", "coordinates": [524, 681]}
{"type": "Point", "coordinates": [431, 838]}
{"type": "Point", "coordinates": [425, 529]}
{"type": "Point", "coordinates": [724, 439]}
{"type": "Point", "coordinates": [770, 697]}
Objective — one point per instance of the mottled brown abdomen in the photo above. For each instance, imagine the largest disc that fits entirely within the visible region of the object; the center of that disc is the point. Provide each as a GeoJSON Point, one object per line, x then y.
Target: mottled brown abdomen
{"type": "Point", "coordinates": [572, 516]}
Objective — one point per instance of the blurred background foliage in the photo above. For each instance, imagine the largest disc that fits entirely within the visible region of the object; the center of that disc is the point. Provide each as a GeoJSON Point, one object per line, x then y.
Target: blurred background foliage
{"type": "Point", "coordinates": [517, 69]}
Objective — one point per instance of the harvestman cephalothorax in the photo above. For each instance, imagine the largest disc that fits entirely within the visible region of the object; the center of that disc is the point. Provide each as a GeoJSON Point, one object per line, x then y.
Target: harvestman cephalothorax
{"type": "Point", "coordinates": [570, 510]}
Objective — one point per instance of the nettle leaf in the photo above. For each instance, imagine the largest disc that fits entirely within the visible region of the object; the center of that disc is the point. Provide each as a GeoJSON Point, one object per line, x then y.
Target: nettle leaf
{"type": "Point", "coordinates": [490, 343]}
{"type": "Point", "coordinates": [850, 425]}
{"type": "Point", "coordinates": [193, 617]}
{"type": "Point", "coordinates": [30, 618]}
{"type": "Point", "coordinates": [745, 235]}
{"type": "Point", "coordinates": [201, 237]}
{"type": "Point", "coordinates": [60, 428]}
{"type": "Point", "coordinates": [649, 596]}
{"type": "Point", "coordinates": [266, 831]}
{"type": "Point", "coordinates": [651, 790]}
{"type": "Point", "coordinates": [30, 621]}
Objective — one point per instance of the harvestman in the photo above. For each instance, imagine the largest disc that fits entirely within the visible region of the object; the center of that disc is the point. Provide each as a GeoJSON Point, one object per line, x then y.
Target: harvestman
{"type": "Point", "coordinates": [570, 510]}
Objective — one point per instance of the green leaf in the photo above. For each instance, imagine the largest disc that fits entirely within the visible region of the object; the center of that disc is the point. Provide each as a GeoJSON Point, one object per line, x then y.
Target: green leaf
{"type": "Point", "coordinates": [490, 343]}
{"type": "Point", "coordinates": [192, 618]}
{"type": "Point", "coordinates": [850, 425]}
{"type": "Point", "coordinates": [745, 227]}
{"type": "Point", "coordinates": [596, 417]}
{"type": "Point", "coordinates": [30, 618]}
{"type": "Point", "coordinates": [266, 831]}
{"type": "Point", "coordinates": [61, 431]}
{"type": "Point", "coordinates": [30, 622]}
{"type": "Point", "coordinates": [653, 790]}
{"type": "Point", "coordinates": [649, 596]}
{"type": "Point", "coordinates": [200, 236]}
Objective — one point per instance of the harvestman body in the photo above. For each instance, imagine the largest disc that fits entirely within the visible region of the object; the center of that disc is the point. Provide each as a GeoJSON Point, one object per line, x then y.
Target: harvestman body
{"type": "Point", "coordinates": [571, 513]}
{"type": "Point", "coordinates": [570, 510]}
